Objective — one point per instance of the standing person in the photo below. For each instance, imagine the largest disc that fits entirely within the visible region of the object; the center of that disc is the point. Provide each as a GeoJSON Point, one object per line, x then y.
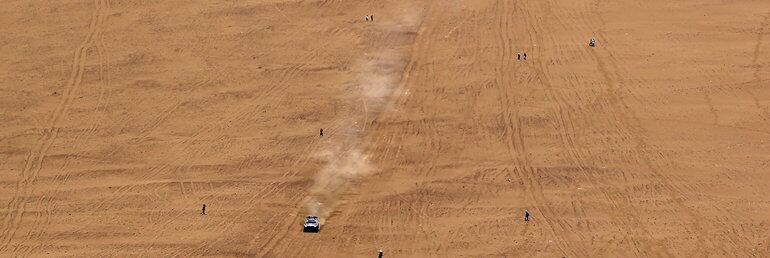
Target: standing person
{"type": "Point", "coordinates": [380, 254]}
{"type": "Point", "coordinates": [525, 55]}
{"type": "Point", "coordinates": [526, 215]}
{"type": "Point", "coordinates": [322, 132]}
{"type": "Point", "coordinates": [203, 210]}
{"type": "Point", "coordinates": [371, 16]}
{"type": "Point", "coordinates": [518, 56]}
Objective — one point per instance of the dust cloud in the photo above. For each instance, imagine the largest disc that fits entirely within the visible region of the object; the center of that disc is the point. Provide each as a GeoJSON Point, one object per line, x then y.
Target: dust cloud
{"type": "Point", "coordinates": [342, 167]}
{"type": "Point", "coordinates": [378, 80]}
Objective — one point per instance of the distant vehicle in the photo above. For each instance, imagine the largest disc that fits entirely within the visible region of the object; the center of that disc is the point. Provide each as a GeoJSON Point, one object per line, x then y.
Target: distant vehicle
{"type": "Point", "coordinates": [311, 224]}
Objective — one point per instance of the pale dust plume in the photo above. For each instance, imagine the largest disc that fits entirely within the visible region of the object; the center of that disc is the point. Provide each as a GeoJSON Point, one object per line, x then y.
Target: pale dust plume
{"type": "Point", "coordinates": [342, 167]}
{"type": "Point", "coordinates": [378, 77]}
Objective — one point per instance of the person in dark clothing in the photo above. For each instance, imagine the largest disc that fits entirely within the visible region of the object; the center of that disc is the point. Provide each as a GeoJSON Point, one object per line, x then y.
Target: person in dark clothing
{"type": "Point", "coordinates": [525, 55]}
{"type": "Point", "coordinates": [380, 254]}
{"type": "Point", "coordinates": [518, 56]}
{"type": "Point", "coordinates": [203, 210]}
{"type": "Point", "coordinates": [526, 215]}
{"type": "Point", "coordinates": [322, 132]}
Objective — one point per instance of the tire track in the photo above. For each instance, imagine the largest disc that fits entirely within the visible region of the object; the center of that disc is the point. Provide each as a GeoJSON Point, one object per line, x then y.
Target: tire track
{"type": "Point", "coordinates": [426, 77]}
{"type": "Point", "coordinates": [35, 158]}
{"type": "Point", "coordinates": [257, 104]}
{"type": "Point", "coordinates": [46, 200]}
{"type": "Point", "coordinates": [291, 218]}
{"type": "Point", "coordinates": [269, 247]}
{"type": "Point", "coordinates": [758, 66]}
{"type": "Point", "coordinates": [630, 123]}
{"type": "Point", "coordinates": [274, 186]}
{"type": "Point", "coordinates": [168, 111]}
{"type": "Point", "coordinates": [566, 114]}
{"type": "Point", "coordinates": [513, 126]}
{"type": "Point", "coordinates": [326, 3]}
{"type": "Point", "coordinates": [277, 186]}
{"type": "Point", "coordinates": [383, 145]}
{"type": "Point", "coordinates": [622, 126]}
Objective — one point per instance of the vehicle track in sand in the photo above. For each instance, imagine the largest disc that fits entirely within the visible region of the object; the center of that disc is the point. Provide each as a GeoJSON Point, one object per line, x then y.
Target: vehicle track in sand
{"type": "Point", "coordinates": [755, 62]}
{"type": "Point", "coordinates": [416, 211]}
{"type": "Point", "coordinates": [650, 144]}
{"type": "Point", "coordinates": [284, 241]}
{"type": "Point", "coordinates": [512, 133]}
{"type": "Point", "coordinates": [566, 113]}
{"type": "Point", "coordinates": [255, 106]}
{"type": "Point", "coordinates": [273, 95]}
{"type": "Point", "coordinates": [384, 147]}
{"type": "Point", "coordinates": [272, 187]}
{"type": "Point", "coordinates": [46, 199]}
{"type": "Point", "coordinates": [34, 160]}
{"type": "Point", "coordinates": [283, 223]}
{"type": "Point", "coordinates": [647, 155]}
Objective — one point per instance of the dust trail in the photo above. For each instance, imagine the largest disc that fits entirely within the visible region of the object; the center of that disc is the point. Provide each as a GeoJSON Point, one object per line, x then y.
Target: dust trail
{"type": "Point", "coordinates": [378, 78]}
{"type": "Point", "coordinates": [343, 166]}
{"type": "Point", "coordinates": [345, 160]}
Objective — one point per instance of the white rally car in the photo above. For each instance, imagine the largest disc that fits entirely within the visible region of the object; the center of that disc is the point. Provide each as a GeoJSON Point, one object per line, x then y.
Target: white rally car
{"type": "Point", "coordinates": [311, 224]}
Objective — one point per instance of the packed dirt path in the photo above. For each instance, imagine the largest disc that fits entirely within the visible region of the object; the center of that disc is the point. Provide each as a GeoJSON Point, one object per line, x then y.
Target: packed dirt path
{"type": "Point", "coordinates": [120, 119]}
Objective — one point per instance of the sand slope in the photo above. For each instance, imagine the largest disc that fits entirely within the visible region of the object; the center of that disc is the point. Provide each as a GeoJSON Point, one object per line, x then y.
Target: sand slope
{"type": "Point", "coordinates": [121, 118]}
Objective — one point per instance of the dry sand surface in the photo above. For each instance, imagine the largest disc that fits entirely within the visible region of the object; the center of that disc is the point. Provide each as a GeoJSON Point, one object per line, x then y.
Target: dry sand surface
{"type": "Point", "coordinates": [120, 118]}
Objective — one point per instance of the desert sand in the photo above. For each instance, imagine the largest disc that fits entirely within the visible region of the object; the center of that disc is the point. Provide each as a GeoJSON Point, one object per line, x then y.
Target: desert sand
{"type": "Point", "coordinates": [120, 119]}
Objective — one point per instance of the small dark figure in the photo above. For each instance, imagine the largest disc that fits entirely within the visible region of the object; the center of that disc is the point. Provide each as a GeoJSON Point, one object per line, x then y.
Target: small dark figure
{"type": "Point", "coordinates": [526, 215]}
{"type": "Point", "coordinates": [203, 210]}
{"type": "Point", "coordinates": [518, 56]}
{"type": "Point", "coordinates": [371, 17]}
{"type": "Point", "coordinates": [322, 132]}
{"type": "Point", "coordinates": [525, 55]}
{"type": "Point", "coordinates": [380, 254]}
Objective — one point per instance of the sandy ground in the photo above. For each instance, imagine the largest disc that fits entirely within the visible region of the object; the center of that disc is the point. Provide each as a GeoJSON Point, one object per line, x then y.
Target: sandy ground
{"type": "Point", "coordinates": [121, 118]}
